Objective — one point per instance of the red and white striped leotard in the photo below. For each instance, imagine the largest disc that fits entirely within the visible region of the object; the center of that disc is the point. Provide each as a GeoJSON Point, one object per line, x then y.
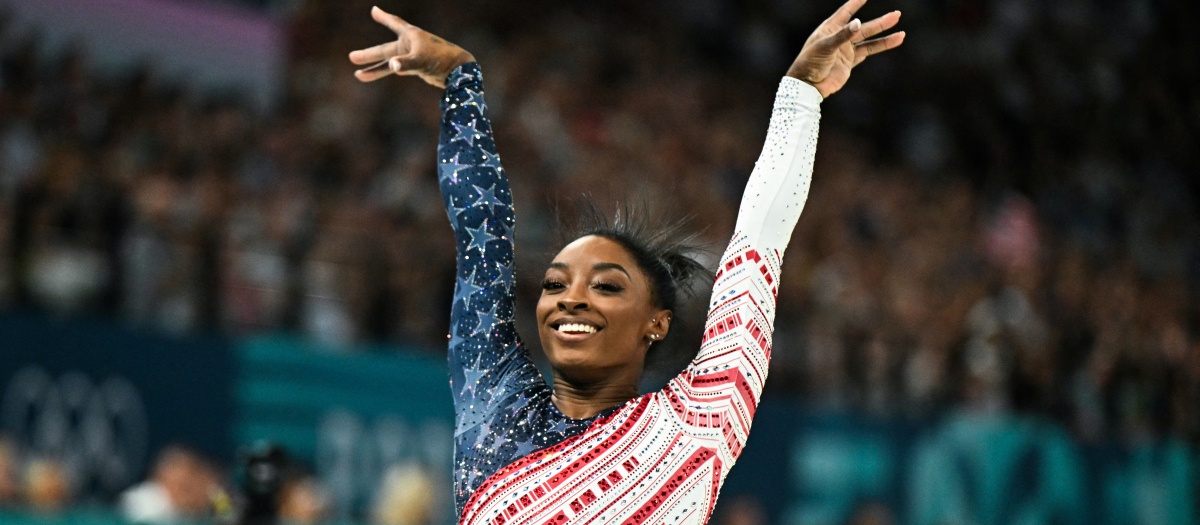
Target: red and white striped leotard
{"type": "Point", "coordinates": [662, 457]}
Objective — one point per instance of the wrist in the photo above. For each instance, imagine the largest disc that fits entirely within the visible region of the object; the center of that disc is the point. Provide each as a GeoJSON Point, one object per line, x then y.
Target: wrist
{"type": "Point", "coordinates": [443, 75]}
{"type": "Point", "coordinates": [463, 58]}
{"type": "Point", "coordinates": [814, 85]}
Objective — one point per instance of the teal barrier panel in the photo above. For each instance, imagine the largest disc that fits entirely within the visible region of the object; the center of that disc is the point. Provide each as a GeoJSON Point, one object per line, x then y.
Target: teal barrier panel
{"type": "Point", "coordinates": [75, 517]}
{"type": "Point", "coordinates": [86, 517]}
{"type": "Point", "coordinates": [103, 398]}
{"type": "Point", "coordinates": [804, 468]}
{"type": "Point", "coordinates": [349, 416]}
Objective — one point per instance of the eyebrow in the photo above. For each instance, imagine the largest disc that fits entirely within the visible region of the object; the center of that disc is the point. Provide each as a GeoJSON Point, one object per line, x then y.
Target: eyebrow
{"type": "Point", "coordinates": [611, 266]}
{"type": "Point", "coordinates": [598, 267]}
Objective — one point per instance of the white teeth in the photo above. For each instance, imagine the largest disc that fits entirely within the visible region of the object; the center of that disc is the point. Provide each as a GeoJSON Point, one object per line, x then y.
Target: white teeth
{"type": "Point", "coordinates": [576, 327]}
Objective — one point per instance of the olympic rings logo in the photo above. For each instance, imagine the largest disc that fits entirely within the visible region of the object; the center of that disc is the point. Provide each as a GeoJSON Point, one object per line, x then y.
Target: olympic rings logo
{"type": "Point", "coordinates": [98, 431]}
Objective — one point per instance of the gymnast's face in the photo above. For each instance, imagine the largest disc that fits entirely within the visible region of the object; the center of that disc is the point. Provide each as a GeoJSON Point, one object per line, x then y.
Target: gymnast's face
{"type": "Point", "coordinates": [597, 316]}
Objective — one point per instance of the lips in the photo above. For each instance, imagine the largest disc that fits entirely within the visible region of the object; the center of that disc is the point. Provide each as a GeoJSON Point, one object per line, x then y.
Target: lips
{"type": "Point", "coordinates": [574, 328]}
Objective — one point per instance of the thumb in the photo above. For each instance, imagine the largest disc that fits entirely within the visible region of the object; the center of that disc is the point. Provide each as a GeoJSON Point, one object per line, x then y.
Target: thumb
{"type": "Point", "coordinates": [406, 64]}
{"type": "Point", "coordinates": [842, 36]}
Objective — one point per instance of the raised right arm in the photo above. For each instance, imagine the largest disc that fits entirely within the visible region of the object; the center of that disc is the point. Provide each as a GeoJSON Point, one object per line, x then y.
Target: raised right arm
{"type": "Point", "coordinates": [488, 364]}
{"type": "Point", "coordinates": [485, 351]}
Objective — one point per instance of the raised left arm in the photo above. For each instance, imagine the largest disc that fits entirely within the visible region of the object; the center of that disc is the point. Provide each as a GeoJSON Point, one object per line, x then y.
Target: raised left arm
{"type": "Point", "coordinates": [718, 393]}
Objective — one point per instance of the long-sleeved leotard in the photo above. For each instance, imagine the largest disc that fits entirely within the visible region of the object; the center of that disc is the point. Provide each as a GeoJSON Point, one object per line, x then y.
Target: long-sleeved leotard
{"type": "Point", "coordinates": [659, 458]}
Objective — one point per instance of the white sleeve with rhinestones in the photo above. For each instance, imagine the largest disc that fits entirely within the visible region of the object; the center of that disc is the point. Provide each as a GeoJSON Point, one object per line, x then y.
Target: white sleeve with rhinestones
{"type": "Point", "coordinates": [778, 186]}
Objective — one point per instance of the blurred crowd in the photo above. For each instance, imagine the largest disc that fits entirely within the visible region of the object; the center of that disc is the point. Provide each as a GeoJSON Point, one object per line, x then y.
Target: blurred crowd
{"type": "Point", "coordinates": [1001, 217]}
{"type": "Point", "coordinates": [267, 487]}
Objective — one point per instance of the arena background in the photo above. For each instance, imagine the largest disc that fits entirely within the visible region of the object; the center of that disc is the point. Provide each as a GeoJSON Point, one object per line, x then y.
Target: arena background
{"type": "Point", "coordinates": [212, 237]}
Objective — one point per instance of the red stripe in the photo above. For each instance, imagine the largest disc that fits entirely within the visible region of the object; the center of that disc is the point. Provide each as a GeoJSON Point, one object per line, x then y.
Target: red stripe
{"type": "Point", "coordinates": [680, 475]}
{"type": "Point", "coordinates": [558, 519]}
{"type": "Point", "coordinates": [644, 476]}
{"type": "Point", "coordinates": [500, 475]}
{"type": "Point", "coordinates": [596, 452]}
{"type": "Point", "coordinates": [625, 448]}
{"type": "Point", "coordinates": [732, 376]}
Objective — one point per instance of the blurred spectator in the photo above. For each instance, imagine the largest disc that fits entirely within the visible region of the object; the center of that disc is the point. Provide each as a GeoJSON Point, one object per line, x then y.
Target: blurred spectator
{"type": "Point", "coordinates": [303, 502]}
{"type": "Point", "coordinates": [180, 489]}
{"type": "Point", "coordinates": [873, 513]}
{"type": "Point", "coordinates": [407, 497]}
{"type": "Point", "coordinates": [742, 510]}
{"type": "Point", "coordinates": [47, 488]}
{"type": "Point", "coordinates": [10, 481]}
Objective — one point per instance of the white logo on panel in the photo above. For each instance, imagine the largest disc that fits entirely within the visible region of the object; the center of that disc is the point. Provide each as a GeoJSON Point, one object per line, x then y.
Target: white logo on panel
{"type": "Point", "coordinates": [98, 431]}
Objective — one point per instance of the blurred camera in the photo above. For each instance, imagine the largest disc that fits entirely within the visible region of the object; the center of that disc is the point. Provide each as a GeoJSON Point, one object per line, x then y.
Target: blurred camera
{"type": "Point", "coordinates": [264, 470]}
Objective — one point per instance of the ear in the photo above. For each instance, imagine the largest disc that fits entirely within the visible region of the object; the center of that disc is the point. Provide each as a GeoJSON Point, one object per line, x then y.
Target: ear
{"type": "Point", "coordinates": [659, 325]}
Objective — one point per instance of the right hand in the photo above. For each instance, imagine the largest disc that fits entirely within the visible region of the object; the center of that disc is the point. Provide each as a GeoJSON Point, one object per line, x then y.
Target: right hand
{"type": "Point", "coordinates": [416, 52]}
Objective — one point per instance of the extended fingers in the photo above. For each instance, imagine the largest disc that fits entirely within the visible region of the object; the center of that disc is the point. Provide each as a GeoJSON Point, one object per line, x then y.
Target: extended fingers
{"type": "Point", "coordinates": [374, 71]}
{"type": "Point", "coordinates": [843, 35]}
{"type": "Point", "coordinates": [846, 12]}
{"type": "Point", "coordinates": [862, 50]}
{"type": "Point", "coordinates": [374, 54]}
{"type": "Point", "coordinates": [389, 20]}
{"type": "Point", "coordinates": [401, 65]}
{"type": "Point", "coordinates": [877, 26]}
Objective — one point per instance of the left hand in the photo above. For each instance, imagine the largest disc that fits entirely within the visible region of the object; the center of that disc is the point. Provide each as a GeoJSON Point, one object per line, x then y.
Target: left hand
{"type": "Point", "coordinates": [839, 44]}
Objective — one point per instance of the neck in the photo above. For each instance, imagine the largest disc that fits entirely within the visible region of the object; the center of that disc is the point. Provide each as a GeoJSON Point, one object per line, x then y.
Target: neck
{"type": "Point", "coordinates": [583, 400]}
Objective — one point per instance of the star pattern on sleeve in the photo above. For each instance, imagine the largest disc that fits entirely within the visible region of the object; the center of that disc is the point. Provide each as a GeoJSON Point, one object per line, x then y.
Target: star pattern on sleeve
{"type": "Point", "coordinates": [453, 212]}
{"type": "Point", "coordinates": [472, 375]}
{"type": "Point", "coordinates": [487, 321]}
{"type": "Point", "coordinates": [487, 198]}
{"type": "Point", "coordinates": [449, 168]}
{"type": "Point", "coordinates": [506, 231]}
{"type": "Point", "coordinates": [475, 99]}
{"type": "Point", "coordinates": [504, 277]}
{"type": "Point", "coordinates": [490, 160]}
{"type": "Point", "coordinates": [480, 237]}
{"type": "Point", "coordinates": [466, 132]}
{"type": "Point", "coordinates": [466, 289]}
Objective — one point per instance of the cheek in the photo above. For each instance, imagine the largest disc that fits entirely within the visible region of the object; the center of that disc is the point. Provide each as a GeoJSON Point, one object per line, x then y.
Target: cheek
{"type": "Point", "coordinates": [625, 317]}
{"type": "Point", "coordinates": [544, 307]}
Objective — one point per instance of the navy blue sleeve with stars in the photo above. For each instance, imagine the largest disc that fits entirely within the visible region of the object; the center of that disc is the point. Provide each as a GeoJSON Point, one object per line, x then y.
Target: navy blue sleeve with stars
{"type": "Point", "coordinates": [502, 406]}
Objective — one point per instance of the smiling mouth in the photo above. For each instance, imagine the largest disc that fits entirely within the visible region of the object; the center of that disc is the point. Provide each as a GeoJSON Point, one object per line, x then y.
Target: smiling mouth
{"type": "Point", "coordinates": [576, 328]}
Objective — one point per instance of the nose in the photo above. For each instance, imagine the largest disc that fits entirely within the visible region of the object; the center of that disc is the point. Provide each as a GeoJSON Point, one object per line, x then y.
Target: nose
{"type": "Point", "coordinates": [570, 305]}
{"type": "Point", "coordinates": [574, 299]}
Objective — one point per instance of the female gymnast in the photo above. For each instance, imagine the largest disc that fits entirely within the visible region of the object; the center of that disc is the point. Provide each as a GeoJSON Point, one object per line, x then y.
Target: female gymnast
{"type": "Point", "coordinates": [590, 449]}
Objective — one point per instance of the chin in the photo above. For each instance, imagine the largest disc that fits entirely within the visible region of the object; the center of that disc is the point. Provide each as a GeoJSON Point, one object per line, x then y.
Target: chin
{"type": "Point", "coordinates": [576, 356]}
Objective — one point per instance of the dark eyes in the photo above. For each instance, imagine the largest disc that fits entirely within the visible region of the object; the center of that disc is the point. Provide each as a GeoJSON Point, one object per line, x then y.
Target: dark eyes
{"type": "Point", "coordinates": [552, 285]}
{"type": "Point", "coordinates": [609, 287]}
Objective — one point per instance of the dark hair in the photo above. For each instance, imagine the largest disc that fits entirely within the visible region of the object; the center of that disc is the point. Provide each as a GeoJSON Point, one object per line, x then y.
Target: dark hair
{"type": "Point", "coordinates": [665, 250]}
